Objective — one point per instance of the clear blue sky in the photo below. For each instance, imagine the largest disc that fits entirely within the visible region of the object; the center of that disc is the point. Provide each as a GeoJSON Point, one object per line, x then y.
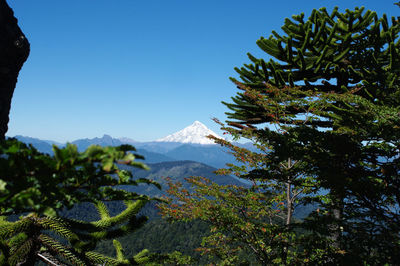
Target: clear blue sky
{"type": "Point", "coordinates": [139, 69]}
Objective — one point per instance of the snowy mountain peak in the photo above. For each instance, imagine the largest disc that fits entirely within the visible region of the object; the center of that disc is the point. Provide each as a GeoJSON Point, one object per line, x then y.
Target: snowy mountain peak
{"type": "Point", "coordinates": [195, 133]}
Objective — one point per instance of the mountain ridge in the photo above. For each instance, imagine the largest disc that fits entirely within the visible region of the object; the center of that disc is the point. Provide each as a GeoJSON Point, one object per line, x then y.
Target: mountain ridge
{"type": "Point", "coordinates": [154, 152]}
{"type": "Point", "coordinates": [189, 143]}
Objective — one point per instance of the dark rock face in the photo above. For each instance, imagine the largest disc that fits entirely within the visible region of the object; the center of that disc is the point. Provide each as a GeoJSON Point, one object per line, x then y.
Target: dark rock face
{"type": "Point", "coordinates": [14, 50]}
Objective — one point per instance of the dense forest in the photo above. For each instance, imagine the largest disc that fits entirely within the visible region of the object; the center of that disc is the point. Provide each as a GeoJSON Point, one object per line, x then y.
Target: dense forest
{"type": "Point", "coordinates": [323, 183]}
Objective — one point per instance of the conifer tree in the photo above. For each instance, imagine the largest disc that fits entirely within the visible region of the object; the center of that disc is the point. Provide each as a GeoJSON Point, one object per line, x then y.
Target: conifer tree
{"type": "Point", "coordinates": [324, 115]}
{"type": "Point", "coordinates": [254, 223]}
{"type": "Point", "coordinates": [329, 98]}
{"type": "Point", "coordinates": [38, 188]}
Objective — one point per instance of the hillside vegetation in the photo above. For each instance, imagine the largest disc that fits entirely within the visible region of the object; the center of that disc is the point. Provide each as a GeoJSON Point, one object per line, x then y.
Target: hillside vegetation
{"type": "Point", "coordinates": [321, 109]}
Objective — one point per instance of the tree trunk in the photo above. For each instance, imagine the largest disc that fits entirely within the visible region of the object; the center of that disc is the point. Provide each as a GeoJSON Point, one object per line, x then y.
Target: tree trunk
{"type": "Point", "coordinates": [14, 50]}
{"type": "Point", "coordinates": [337, 213]}
{"type": "Point", "coordinates": [289, 213]}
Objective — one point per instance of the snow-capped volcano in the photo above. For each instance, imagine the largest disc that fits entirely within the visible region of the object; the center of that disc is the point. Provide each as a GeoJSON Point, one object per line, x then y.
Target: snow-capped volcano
{"type": "Point", "coordinates": [195, 133]}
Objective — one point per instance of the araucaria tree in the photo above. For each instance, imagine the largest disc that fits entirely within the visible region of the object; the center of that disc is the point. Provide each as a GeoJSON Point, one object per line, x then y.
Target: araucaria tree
{"type": "Point", "coordinates": [36, 188]}
{"type": "Point", "coordinates": [39, 188]}
{"type": "Point", "coordinates": [327, 107]}
{"type": "Point", "coordinates": [333, 92]}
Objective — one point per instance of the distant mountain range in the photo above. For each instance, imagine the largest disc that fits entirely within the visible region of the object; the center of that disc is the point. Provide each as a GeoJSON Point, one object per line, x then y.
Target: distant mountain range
{"type": "Point", "coordinates": [44, 146]}
{"type": "Point", "coordinates": [178, 156]}
{"type": "Point", "coordinates": [189, 143]}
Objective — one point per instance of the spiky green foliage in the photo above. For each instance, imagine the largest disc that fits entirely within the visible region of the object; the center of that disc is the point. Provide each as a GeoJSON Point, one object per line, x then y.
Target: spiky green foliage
{"type": "Point", "coordinates": [38, 186]}
{"type": "Point", "coordinates": [245, 222]}
{"type": "Point", "coordinates": [248, 224]}
{"type": "Point", "coordinates": [33, 181]}
{"type": "Point", "coordinates": [32, 236]}
{"type": "Point", "coordinates": [334, 52]}
{"type": "Point", "coordinates": [329, 99]}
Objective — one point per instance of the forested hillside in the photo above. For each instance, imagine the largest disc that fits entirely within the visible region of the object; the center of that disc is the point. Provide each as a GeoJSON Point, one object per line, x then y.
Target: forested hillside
{"type": "Point", "coordinates": [319, 185]}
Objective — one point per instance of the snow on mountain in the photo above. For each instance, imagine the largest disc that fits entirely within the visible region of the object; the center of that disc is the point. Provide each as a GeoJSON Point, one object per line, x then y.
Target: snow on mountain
{"type": "Point", "coordinates": [195, 133]}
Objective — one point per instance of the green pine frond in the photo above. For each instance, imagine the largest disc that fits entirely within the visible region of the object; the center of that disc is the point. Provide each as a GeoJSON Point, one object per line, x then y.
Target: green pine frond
{"type": "Point", "coordinates": [102, 210]}
{"type": "Point", "coordinates": [142, 257]}
{"type": "Point", "coordinates": [16, 241]}
{"type": "Point", "coordinates": [100, 259]}
{"type": "Point", "coordinates": [14, 228]}
{"type": "Point", "coordinates": [21, 252]}
{"type": "Point", "coordinates": [58, 226]}
{"type": "Point", "coordinates": [133, 224]}
{"type": "Point", "coordinates": [118, 249]}
{"type": "Point", "coordinates": [61, 250]}
{"type": "Point", "coordinates": [132, 209]}
{"type": "Point", "coordinates": [3, 221]}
